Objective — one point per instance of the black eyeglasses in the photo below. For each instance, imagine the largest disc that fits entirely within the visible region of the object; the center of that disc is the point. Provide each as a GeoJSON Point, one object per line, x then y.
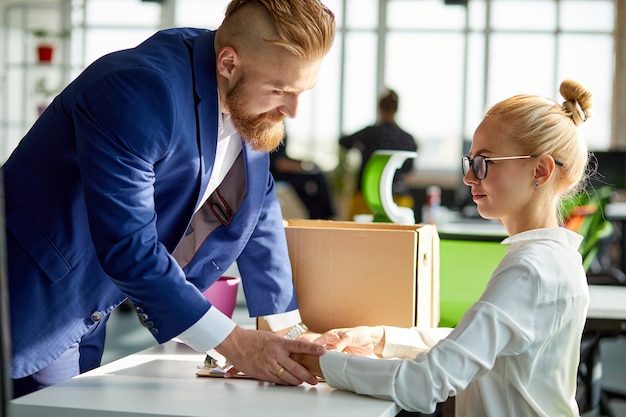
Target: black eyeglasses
{"type": "Point", "coordinates": [479, 163]}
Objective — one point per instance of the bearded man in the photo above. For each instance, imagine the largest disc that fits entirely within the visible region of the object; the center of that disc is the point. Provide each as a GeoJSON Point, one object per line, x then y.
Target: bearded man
{"type": "Point", "coordinates": [145, 179]}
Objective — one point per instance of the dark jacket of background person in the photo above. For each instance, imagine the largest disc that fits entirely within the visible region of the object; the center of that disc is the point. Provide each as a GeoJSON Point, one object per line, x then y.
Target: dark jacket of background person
{"type": "Point", "coordinates": [385, 134]}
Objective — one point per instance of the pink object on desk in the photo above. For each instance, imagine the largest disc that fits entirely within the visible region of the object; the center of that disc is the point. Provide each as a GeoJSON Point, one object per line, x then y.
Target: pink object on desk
{"type": "Point", "coordinates": [223, 294]}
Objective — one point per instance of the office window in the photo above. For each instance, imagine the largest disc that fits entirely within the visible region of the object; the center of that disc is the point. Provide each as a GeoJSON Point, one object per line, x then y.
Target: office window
{"type": "Point", "coordinates": [520, 64]}
{"type": "Point", "coordinates": [111, 25]}
{"type": "Point", "coordinates": [200, 13]}
{"type": "Point", "coordinates": [448, 62]}
{"type": "Point", "coordinates": [589, 58]}
{"type": "Point", "coordinates": [428, 77]}
{"type": "Point", "coordinates": [361, 14]}
{"type": "Point", "coordinates": [505, 47]}
{"type": "Point", "coordinates": [475, 84]}
{"type": "Point", "coordinates": [596, 15]}
{"type": "Point", "coordinates": [316, 128]}
{"type": "Point", "coordinates": [122, 13]}
{"type": "Point", "coordinates": [424, 15]}
{"type": "Point", "coordinates": [523, 15]}
{"type": "Point", "coordinates": [477, 15]}
{"type": "Point", "coordinates": [359, 86]}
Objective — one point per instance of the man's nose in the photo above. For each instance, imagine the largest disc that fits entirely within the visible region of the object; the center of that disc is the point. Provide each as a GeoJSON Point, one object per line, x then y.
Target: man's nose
{"type": "Point", "coordinates": [290, 105]}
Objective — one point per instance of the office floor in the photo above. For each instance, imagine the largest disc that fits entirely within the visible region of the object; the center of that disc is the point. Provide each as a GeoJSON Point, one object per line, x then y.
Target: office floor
{"type": "Point", "coordinates": [125, 336]}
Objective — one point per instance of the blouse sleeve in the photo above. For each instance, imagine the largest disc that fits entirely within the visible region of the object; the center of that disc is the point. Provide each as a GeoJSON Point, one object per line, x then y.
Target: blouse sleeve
{"type": "Point", "coordinates": [499, 323]}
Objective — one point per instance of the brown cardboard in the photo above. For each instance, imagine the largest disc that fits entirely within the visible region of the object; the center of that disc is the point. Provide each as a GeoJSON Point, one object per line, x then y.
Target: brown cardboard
{"type": "Point", "coordinates": [349, 274]}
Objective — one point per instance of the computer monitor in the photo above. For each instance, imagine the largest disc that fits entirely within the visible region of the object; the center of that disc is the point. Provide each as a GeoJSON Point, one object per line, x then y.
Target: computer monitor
{"type": "Point", "coordinates": [610, 169]}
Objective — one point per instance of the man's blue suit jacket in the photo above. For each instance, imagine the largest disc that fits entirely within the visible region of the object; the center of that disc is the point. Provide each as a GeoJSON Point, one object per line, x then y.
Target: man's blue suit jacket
{"type": "Point", "coordinates": [102, 188]}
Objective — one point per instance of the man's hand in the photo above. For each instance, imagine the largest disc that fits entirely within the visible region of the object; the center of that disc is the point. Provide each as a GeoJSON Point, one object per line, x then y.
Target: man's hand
{"type": "Point", "coordinates": [310, 362]}
{"type": "Point", "coordinates": [265, 356]}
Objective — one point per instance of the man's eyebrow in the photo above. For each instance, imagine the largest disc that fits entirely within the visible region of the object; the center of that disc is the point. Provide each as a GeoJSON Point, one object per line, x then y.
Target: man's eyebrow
{"type": "Point", "coordinates": [280, 85]}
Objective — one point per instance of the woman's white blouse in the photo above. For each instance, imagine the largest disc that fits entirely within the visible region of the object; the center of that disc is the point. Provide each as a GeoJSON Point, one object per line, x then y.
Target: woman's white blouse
{"type": "Point", "coordinates": [515, 352]}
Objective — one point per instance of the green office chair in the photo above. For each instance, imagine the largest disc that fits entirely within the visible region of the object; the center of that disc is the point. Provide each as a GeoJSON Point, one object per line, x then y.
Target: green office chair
{"type": "Point", "coordinates": [377, 183]}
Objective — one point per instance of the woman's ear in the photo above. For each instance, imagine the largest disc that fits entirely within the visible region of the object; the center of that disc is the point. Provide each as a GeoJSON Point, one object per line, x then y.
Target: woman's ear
{"type": "Point", "coordinates": [227, 62]}
{"type": "Point", "coordinates": [544, 169]}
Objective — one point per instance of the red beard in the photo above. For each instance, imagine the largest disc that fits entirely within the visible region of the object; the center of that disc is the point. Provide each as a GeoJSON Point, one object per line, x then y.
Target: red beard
{"type": "Point", "coordinates": [263, 132]}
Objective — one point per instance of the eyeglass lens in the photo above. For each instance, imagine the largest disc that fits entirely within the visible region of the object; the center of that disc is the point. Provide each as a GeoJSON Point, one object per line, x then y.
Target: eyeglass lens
{"type": "Point", "coordinates": [478, 165]}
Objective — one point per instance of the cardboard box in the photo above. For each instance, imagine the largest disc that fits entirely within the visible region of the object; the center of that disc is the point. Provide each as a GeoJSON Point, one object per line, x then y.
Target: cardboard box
{"type": "Point", "coordinates": [348, 274]}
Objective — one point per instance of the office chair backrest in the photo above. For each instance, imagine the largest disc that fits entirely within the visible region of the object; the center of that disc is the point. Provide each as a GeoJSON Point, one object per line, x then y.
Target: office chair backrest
{"type": "Point", "coordinates": [377, 186]}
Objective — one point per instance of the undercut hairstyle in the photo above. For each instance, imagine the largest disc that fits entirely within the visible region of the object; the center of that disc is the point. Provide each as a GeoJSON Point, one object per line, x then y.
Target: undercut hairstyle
{"type": "Point", "coordinates": [306, 28]}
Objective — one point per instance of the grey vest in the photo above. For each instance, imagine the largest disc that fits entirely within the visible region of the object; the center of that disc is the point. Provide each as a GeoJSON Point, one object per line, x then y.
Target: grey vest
{"type": "Point", "coordinates": [217, 211]}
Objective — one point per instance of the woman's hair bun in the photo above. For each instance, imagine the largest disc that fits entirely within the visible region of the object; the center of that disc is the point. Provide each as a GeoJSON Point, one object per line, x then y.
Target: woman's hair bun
{"type": "Point", "coordinates": [578, 100]}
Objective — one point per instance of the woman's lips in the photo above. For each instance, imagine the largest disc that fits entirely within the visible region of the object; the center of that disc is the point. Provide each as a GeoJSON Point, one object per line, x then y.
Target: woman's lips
{"type": "Point", "coordinates": [477, 196]}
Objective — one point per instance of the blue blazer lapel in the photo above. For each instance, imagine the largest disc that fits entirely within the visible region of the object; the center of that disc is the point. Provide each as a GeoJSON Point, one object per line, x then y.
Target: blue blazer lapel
{"type": "Point", "coordinates": [207, 106]}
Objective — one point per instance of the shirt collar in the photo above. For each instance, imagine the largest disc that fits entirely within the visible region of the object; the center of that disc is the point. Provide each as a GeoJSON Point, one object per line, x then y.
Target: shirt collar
{"type": "Point", "coordinates": [559, 234]}
{"type": "Point", "coordinates": [225, 127]}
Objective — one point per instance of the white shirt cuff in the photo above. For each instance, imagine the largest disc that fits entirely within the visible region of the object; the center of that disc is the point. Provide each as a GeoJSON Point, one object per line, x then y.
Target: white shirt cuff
{"type": "Point", "coordinates": [283, 320]}
{"type": "Point", "coordinates": [209, 331]}
{"type": "Point", "coordinates": [408, 343]}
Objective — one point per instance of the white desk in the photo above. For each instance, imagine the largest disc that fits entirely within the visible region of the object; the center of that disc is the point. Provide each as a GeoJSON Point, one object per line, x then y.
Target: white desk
{"type": "Point", "coordinates": [607, 307]}
{"type": "Point", "coordinates": [616, 210]}
{"type": "Point", "coordinates": [161, 381]}
{"type": "Point", "coordinates": [480, 230]}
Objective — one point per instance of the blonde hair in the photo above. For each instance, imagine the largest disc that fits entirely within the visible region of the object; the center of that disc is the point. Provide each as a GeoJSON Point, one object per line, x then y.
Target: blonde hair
{"type": "Point", "coordinates": [543, 127]}
{"type": "Point", "coordinates": [306, 28]}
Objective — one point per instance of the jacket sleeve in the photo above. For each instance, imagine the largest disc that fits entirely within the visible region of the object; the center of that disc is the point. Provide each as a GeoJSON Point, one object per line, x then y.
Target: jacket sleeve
{"type": "Point", "coordinates": [264, 263]}
{"type": "Point", "coordinates": [125, 124]}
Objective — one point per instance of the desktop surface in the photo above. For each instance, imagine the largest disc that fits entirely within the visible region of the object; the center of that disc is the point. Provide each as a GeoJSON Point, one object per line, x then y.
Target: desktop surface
{"type": "Point", "coordinates": [162, 381]}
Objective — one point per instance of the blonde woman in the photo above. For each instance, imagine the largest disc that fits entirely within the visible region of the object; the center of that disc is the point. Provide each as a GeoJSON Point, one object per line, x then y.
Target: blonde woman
{"type": "Point", "coordinates": [516, 351]}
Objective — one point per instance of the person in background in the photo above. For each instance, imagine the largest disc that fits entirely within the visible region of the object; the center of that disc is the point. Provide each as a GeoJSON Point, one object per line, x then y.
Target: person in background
{"type": "Point", "coordinates": [516, 350]}
{"type": "Point", "coordinates": [307, 180]}
{"type": "Point", "coordinates": [145, 179]}
{"type": "Point", "coordinates": [384, 135]}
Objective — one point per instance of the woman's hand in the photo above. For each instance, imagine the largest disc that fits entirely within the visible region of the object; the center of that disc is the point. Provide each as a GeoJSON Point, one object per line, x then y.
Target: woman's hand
{"type": "Point", "coordinates": [361, 340]}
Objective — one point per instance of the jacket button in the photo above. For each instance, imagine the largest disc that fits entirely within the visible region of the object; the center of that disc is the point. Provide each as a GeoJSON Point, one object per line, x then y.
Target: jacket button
{"type": "Point", "coordinates": [154, 331]}
{"type": "Point", "coordinates": [96, 316]}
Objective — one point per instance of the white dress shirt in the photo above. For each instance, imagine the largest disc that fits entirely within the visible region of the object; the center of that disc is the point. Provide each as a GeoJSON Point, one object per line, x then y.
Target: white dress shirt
{"type": "Point", "coordinates": [212, 328]}
{"type": "Point", "coordinates": [514, 353]}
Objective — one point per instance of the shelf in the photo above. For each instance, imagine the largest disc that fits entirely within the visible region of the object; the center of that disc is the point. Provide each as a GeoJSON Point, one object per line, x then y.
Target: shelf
{"type": "Point", "coordinates": [28, 85]}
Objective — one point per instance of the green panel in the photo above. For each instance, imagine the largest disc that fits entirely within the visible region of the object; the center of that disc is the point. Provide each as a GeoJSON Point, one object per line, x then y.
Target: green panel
{"type": "Point", "coordinates": [465, 269]}
{"type": "Point", "coordinates": [370, 184]}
